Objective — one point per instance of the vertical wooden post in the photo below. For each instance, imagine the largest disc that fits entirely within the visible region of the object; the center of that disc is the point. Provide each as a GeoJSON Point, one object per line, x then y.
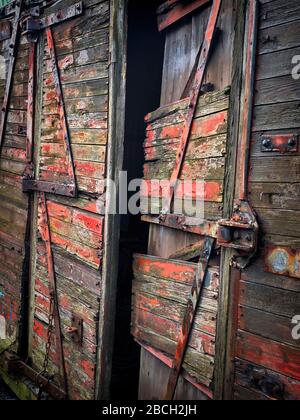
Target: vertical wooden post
{"type": "Point", "coordinates": [222, 360]}
{"type": "Point", "coordinates": [116, 121]}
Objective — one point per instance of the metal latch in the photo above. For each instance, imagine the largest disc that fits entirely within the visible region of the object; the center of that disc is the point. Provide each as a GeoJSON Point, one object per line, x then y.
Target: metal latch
{"type": "Point", "coordinates": [240, 233]}
{"type": "Point", "coordinates": [76, 330]}
{"type": "Point", "coordinates": [282, 143]}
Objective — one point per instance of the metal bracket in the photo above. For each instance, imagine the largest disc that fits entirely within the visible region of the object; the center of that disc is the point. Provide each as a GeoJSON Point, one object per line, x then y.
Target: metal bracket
{"type": "Point", "coordinates": [31, 25]}
{"type": "Point", "coordinates": [76, 330]}
{"type": "Point", "coordinates": [67, 190]}
{"type": "Point", "coordinates": [282, 143]}
{"type": "Point", "coordinates": [16, 367]}
{"type": "Point", "coordinates": [240, 233]}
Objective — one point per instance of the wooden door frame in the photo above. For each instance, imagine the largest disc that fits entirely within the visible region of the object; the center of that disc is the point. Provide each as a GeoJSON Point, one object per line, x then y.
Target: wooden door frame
{"type": "Point", "coordinates": [115, 153]}
{"type": "Point", "coordinates": [229, 278]}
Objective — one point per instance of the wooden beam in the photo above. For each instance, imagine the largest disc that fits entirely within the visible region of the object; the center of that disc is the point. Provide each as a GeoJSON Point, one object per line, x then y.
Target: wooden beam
{"type": "Point", "coordinates": [225, 327]}
{"type": "Point", "coordinates": [116, 123]}
{"type": "Point", "coordinates": [174, 10]}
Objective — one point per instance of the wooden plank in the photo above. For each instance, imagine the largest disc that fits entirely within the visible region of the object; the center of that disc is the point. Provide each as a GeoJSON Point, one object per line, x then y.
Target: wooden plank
{"type": "Point", "coordinates": [276, 64]}
{"type": "Point", "coordinates": [205, 318]}
{"type": "Point", "coordinates": [270, 354]}
{"type": "Point", "coordinates": [173, 10]}
{"type": "Point", "coordinates": [273, 327]}
{"type": "Point", "coordinates": [277, 90]}
{"type": "Point", "coordinates": [244, 394]}
{"type": "Point", "coordinates": [276, 117]}
{"type": "Point", "coordinates": [201, 342]}
{"type": "Point", "coordinates": [270, 299]}
{"type": "Point", "coordinates": [275, 13]}
{"type": "Point", "coordinates": [246, 372]}
{"type": "Point", "coordinates": [279, 38]}
{"type": "Point", "coordinates": [256, 273]}
{"type": "Point", "coordinates": [279, 222]}
{"type": "Point", "coordinates": [281, 169]}
{"type": "Point", "coordinates": [275, 195]}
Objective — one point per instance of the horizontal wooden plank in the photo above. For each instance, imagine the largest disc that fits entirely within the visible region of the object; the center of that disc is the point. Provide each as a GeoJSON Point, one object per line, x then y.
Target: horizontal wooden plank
{"type": "Point", "coordinates": [270, 299]}
{"type": "Point", "coordinates": [276, 13]}
{"type": "Point", "coordinates": [271, 326]}
{"type": "Point", "coordinates": [209, 103]}
{"type": "Point", "coordinates": [173, 10]}
{"type": "Point", "coordinates": [269, 354]}
{"type": "Point", "coordinates": [275, 195]}
{"type": "Point", "coordinates": [276, 117]}
{"type": "Point", "coordinates": [72, 269]}
{"type": "Point", "coordinates": [256, 273]}
{"type": "Point", "coordinates": [202, 127]}
{"type": "Point", "coordinates": [212, 211]}
{"type": "Point", "coordinates": [202, 169]}
{"type": "Point", "coordinates": [279, 38]}
{"type": "Point", "coordinates": [276, 64]}
{"type": "Point", "coordinates": [245, 374]}
{"type": "Point", "coordinates": [277, 90]}
{"type": "Point", "coordinates": [244, 394]}
{"type": "Point", "coordinates": [205, 320]}
{"type": "Point", "coordinates": [282, 169]}
{"type": "Point", "coordinates": [209, 147]}
{"type": "Point", "coordinates": [279, 222]}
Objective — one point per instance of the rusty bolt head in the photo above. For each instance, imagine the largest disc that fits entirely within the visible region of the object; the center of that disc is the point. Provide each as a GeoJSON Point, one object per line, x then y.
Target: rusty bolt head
{"type": "Point", "coordinates": [292, 142]}
{"type": "Point", "coordinates": [267, 143]}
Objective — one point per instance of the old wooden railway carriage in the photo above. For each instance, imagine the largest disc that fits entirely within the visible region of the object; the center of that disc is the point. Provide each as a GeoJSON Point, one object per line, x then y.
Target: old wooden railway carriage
{"type": "Point", "coordinates": [96, 305]}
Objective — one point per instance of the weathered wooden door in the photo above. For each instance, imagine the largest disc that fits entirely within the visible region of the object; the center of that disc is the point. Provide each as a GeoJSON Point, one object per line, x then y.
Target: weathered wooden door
{"type": "Point", "coordinates": [243, 143]}
{"type": "Point", "coordinates": [164, 277]}
{"type": "Point", "coordinates": [54, 142]}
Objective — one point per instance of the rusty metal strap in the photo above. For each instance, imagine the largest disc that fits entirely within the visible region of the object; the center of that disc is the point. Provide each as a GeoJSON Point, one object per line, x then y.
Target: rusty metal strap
{"type": "Point", "coordinates": [189, 317]}
{"type": "Point", "coordinates": [14, 48]}
{"type": "Point", "coordinates": [194, 96]}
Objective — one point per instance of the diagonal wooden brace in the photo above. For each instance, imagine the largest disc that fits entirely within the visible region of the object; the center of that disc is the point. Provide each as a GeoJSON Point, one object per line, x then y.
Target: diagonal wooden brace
{"type": "Point", "coordinates": [189, 317]}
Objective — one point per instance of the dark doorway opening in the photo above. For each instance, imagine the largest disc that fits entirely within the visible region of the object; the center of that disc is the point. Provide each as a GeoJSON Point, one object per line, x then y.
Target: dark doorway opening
{"type": "Point", "coordinates": [144, 76]}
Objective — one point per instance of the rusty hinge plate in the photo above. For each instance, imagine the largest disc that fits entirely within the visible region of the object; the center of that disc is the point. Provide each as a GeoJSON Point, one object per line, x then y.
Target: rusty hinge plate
{"type": "Point", "coordinates": [282, 143]}
{"type": "Point", "coordinates": [76, 330]}
{"type": "Point", "coordinates": [31, 24]}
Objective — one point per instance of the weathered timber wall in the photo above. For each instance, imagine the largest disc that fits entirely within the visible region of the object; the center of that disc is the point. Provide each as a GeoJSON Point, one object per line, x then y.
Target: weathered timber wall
{"type": "Point", "coordinates": [268, 358]}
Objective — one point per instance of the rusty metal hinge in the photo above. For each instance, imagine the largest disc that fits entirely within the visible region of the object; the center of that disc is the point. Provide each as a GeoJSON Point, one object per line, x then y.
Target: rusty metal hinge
{"type": "Point", "coordinates": [31, 25]}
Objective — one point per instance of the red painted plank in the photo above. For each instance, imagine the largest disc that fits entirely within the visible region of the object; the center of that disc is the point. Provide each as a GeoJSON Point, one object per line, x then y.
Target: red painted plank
{"type": "Point", "coordinates": [270, 354]}
{"type": "Point", "coordinates": [174, 10]}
